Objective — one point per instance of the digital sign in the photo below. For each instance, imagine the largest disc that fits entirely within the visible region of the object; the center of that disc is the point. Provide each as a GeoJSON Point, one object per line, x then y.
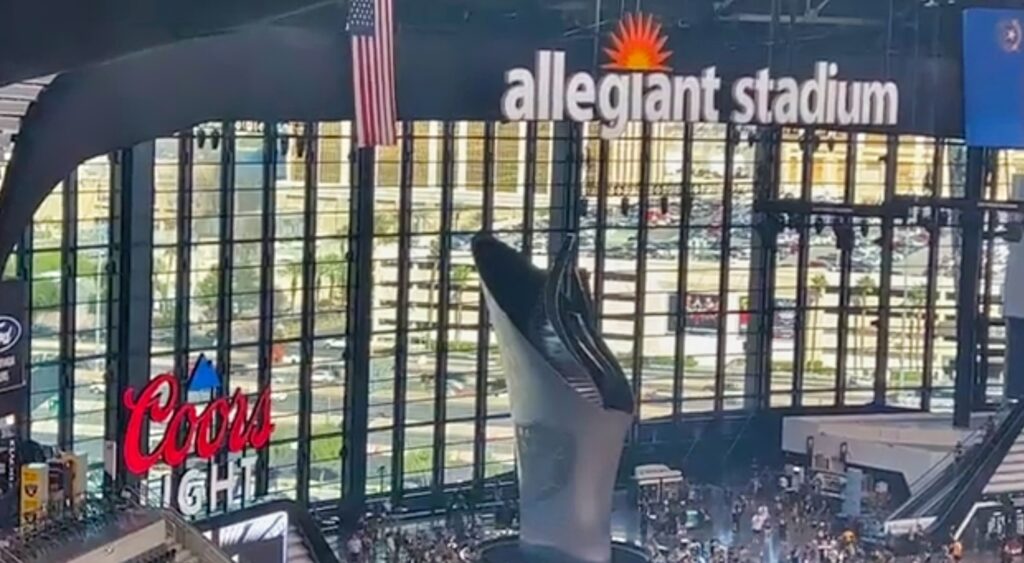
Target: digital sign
{"type": "Point", "coordinates": [225, 425]}
{"type": "Point", "coordinates": [993, 75]}
{"type": "Point", "coordinates": [640, 86]}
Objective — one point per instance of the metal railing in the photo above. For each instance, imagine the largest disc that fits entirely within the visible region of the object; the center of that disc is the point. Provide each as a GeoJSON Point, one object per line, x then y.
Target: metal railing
{"type": "Point", "coordinates": [8, 556]}
{"type": "Point", "coordinates": [183, 533]}
{"type": "Point", "coordinates": [60, 528]}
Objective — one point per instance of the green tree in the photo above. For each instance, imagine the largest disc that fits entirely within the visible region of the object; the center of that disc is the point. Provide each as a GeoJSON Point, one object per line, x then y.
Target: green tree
{"type": "Point", "coordinates": [863, 289]}
{"type": "Point", "coordinates": [816, 290]}
{"type": "Point", "coordinates": [916, 300]}
{"type": "Point", "coordinates": [332, 271]}
{"type": "Point", "coordinates": [294, 270]}
{"type": "Point", "coordinates": [323, 449]}
{"type": "Point", "coordinates": [459, 278]}
{"type": "Point", "coordinates": [386, 223]}
{"type": "Point", "coordinates": [433, 265]}
{"type": "Point", "coordinates": [207, 286]}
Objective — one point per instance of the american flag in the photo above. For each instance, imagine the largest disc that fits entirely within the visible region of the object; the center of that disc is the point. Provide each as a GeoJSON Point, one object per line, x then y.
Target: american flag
{"type": "Point", "coordinates": [371, 25]}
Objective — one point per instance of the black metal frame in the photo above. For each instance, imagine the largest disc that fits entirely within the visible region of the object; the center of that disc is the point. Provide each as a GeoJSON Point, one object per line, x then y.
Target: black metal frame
{"type": "Point", "coordinates": [846, 271]}
{"type": "Point", "coordinates": [443, 302]}
{"type": "Point", "coordinates": [885, 278]}
{"type": "Point", "coordinates": [640, 291]}
{"type": "Point", "coordinates": [307, 328]}
{"type": "Point", "coordinates": [683, 252]}
{"type": "Point", "coordinates": [69, 265]}
{"type": "Point", "coordinates": [402, 338]}
{"type": "Point", "coordinates": [724, 267]}
{"type": "Point", "coordinates": [361, 283]}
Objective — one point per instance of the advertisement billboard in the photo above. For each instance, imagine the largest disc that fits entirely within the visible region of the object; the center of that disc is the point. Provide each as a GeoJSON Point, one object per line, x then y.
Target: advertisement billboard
{"type": "Point", "coordinates": [993, 77]}
{"type": "Point", "coordinates": [13, 339]}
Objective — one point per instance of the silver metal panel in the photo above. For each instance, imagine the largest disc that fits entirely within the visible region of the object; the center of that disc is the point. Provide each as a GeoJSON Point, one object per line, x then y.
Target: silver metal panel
{"type": "Point", "coordinates": [568, 441]}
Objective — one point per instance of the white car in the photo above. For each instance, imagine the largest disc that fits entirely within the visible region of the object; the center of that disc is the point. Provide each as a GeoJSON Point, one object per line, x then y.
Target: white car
{"type": "Point", "coordinates": [336, 343]}
{"type": "Point", "coordinates": [322, 376]}
{"type": "Point", "coordinates": [279, 396]}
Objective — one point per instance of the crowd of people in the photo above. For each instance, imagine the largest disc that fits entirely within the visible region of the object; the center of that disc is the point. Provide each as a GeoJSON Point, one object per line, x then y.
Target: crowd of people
{"type": "Point", "coordinates": [767, 519]}
{"type": "Point", "coordinates": [380, 538]}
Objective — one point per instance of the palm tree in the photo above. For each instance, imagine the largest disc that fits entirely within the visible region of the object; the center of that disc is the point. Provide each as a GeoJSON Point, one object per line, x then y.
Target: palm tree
{"type": "Point", "coordinates": [333, 271]}
{"type": "Point", "coordinates": [916, 299]}
{"type": "Point", "coordinates": [817, 289]}
{"type": "Point", "coordinates": [459, 278]}
{"type": "Point", "coordinates": [865, 288]}
{"type": "Point", "coordinates": [432, 264]}
{"type": "Point", "coordinates": [294, 270]}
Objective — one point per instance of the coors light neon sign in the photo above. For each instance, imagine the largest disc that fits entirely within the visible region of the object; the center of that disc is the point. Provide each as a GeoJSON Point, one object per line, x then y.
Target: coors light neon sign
{"type": "Point", "coordinates": [226, 423]}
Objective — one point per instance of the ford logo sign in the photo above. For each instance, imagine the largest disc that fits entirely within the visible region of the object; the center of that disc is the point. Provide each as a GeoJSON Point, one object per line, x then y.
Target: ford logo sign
{"type": "Point", "coordinates": [10, 333]}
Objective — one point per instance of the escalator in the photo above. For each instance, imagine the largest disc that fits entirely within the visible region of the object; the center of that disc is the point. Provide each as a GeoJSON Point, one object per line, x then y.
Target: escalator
{"type": "Point", "coordinates": [976, 475]}
{"type": "Point", "coordinates": [279, 531]}
{"type": "Point", "coordinates": [934, 494]}
{"type": "Point", "coordinates": [112, 527]}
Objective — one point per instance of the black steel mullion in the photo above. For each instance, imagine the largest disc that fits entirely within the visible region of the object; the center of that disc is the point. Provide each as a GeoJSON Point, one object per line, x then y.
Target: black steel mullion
{"type": "Point", "coordinates": [971, 222]}
{"type": "Point", "coordinates": [988, 275]}
{"type": "Point", "coordinates": [359, 326]}
{"type": "Point", "coordinates": [307, 323]}
{"type": "Point", "coordinates": [601, 236]}
{"type": "Point", "coordinates": [573, 189]}
{"type": "Point", "coordinates": [800, 337]}
{"type": "Point", "coordinates": [682, 281]}
{"type": "Point", "coordinates": [931, 289]}
{"type": "Point", "coordinates": [186, 157]}
{"type": "Point", "coordinates": [443, 304]}
{"type": "Point", "coordinates": [227, 263]}
{"type": "Point", "coordinates": [724, 270]}
{"type": "Point", "coordinates": [68, 302]}
{"type": "Point", "coordinates": [266, 306]}
{"type": "Point", "coordinates": [640, 292]}
{"type": "Point", "coordinates": [768, 170]}
{"type": "Point", "coordinates": [402, 319]}
{"type": "Point", "coordinates": [845, 271]}
{"type": "Point", "coordinates": [529, 187]}
{"type": "Point", "coordinates": [885, 283]}
{"type": "Point", "coordinates": [226, 249]}
{"type": "Point", "coordinates": [25, 254]}
{"type": "Point", "coordinates": [483, 337]}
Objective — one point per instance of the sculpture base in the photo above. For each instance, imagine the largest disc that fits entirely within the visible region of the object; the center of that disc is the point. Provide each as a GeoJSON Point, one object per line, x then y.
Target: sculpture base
{"type": "Point", "coordinates": [506, 550]}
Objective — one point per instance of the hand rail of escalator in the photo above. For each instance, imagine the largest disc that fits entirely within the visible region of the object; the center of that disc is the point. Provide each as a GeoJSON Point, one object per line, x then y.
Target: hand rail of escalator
{"type": "Point", "coordinates": [975, 438]}
{"type": "Point", "coordinates": [999, 437]}
{"type": "Point", "coordinates": [939, 473]}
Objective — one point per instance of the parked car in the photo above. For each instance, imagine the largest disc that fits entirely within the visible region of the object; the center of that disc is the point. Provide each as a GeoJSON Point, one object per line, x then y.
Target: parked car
{"type": "Point", "coordinates": [323, 376]}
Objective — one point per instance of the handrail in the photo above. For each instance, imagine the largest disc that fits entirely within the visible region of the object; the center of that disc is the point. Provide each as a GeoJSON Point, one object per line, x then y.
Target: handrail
{"type": "Point", "coordinates": [8, 555]}
{"type": "Point", "coordinates": [182, 532]}
{"type": "Point", "coordinates": [971, 479]}
{"type": "Point", "coordinates": [968, 441]}
{"type": "Point", "coordinates": [310, 531]}
{"type": "Point", "coordinates": [973, 442]}
{"type": "Point", "coordinates": [191, 539]}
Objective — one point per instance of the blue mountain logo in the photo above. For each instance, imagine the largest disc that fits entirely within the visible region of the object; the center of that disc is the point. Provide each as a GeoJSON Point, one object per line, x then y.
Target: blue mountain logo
{"type": "Point", "coordinates": [204, 376]}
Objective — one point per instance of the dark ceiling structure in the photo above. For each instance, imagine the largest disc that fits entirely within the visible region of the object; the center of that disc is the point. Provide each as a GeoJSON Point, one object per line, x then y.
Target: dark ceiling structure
{"type": "Point", "coordinates": [48, 36]}
{"type": "Point", "coordinates": [157, 66]}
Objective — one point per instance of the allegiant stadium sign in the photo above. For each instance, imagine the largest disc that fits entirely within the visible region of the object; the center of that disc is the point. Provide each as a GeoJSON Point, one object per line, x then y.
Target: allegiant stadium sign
{"type": "Point", "coordinates": [639, 88]}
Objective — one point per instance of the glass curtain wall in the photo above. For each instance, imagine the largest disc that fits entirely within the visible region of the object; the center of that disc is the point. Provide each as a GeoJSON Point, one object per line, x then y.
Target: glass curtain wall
{"type": "Point", "coordinates": [65, 257]}
{"type": "Point", "coordinates": [254, 234]}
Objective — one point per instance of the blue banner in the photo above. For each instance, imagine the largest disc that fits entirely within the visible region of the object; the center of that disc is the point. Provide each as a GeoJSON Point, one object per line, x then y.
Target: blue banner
{"type": "Point", "coordinates": [993, 72]}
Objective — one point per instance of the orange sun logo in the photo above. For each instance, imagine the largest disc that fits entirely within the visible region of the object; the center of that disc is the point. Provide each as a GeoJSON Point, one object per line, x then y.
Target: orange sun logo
{"type": "Point", "coordinates": [638, 45]}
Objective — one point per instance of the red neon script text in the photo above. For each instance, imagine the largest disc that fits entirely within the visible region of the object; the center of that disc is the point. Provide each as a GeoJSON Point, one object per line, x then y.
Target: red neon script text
{"type": "Point", "coordinates": [224, 422]}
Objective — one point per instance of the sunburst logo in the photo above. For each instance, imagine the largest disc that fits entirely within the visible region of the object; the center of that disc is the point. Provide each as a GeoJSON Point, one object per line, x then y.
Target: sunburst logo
{"type": "Point", "coordinates": [638, 45]}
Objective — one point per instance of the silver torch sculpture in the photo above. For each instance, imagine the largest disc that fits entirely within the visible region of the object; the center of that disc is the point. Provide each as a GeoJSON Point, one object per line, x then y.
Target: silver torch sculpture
{"type": "Point", "coordinates": [571, 402]}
